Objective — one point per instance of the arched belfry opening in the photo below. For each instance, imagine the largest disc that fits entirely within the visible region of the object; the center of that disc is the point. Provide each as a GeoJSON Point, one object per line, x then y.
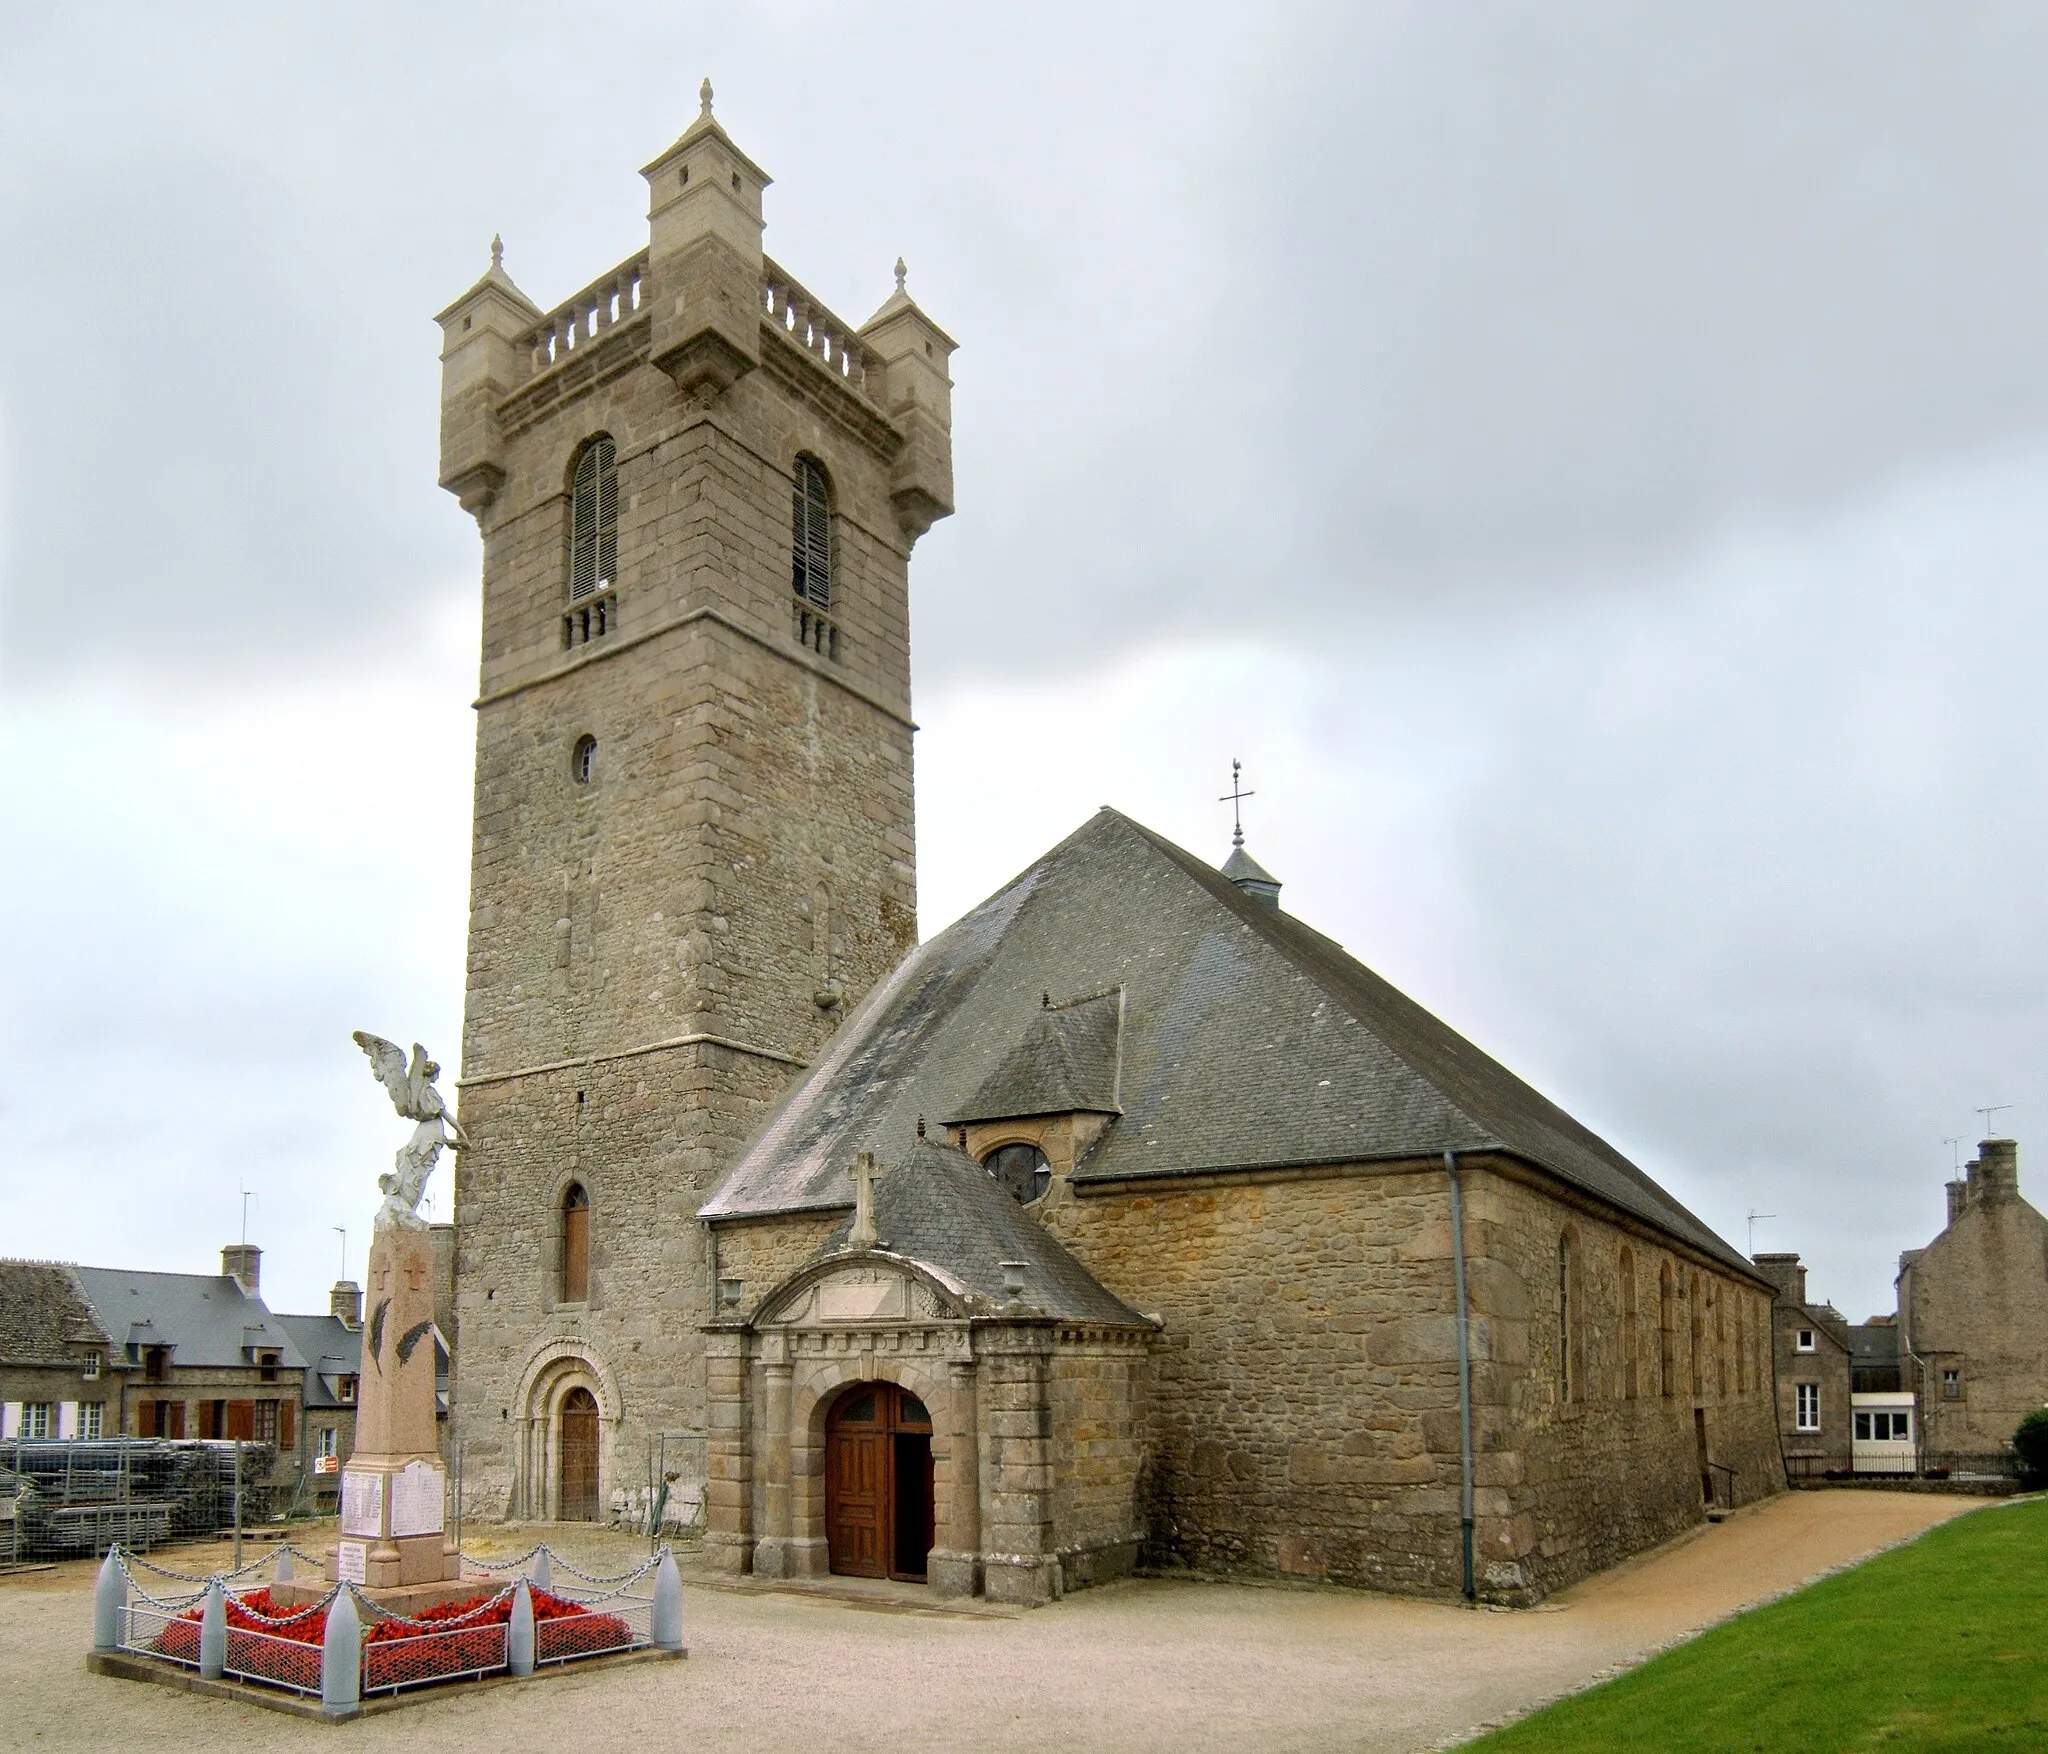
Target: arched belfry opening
{"type": "Point", "coordinates": [880, 1482]}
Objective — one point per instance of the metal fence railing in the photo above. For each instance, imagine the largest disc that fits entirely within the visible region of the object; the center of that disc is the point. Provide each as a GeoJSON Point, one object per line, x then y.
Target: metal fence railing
{"type": "Point", "coordinates": [1962, 1467]}
{"type": "Point", "coordinates": [345, 1647]}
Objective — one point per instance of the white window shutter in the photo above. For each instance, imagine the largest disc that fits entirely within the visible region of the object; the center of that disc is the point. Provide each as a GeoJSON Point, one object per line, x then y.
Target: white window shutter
{"type": "Point", "coordinates": [67, 1418]}
{"type": "Point", "coordinates": [10, 1419]}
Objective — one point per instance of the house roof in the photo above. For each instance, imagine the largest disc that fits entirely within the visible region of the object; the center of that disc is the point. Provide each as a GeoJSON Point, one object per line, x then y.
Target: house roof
{"type": "Point", "coordinates": [331, 1349]}
{"type": "Point", "coordinates": [1247, 1040]}
{"type": "Point", "coordinates": [936, 1206]}
{"type": "Point", "coordinates": [207, 1319]}
{"type": "Point", "coordinates": [43, 1314]}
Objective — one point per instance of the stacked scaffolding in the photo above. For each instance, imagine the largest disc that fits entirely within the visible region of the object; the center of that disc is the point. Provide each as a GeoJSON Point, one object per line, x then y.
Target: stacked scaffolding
{"type": "Point", "coordinates": [71, 1497]}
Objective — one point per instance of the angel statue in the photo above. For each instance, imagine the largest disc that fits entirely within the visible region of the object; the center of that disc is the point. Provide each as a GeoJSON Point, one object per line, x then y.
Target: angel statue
{"type": "Point", "coordinates": [414, 1096]}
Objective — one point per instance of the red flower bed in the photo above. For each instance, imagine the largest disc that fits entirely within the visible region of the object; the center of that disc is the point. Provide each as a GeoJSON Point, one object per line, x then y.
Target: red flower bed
{"type": "Point", "coordinates": [395, 1654]}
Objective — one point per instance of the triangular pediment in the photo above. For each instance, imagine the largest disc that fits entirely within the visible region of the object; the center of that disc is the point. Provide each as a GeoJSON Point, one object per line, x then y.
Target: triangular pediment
{"type": "Point", "coordinates": [863, 1288]}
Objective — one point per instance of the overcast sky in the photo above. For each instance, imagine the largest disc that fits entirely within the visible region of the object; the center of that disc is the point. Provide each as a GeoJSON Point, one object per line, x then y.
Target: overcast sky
{"type": "Point", "coordinates": [1590, 462]}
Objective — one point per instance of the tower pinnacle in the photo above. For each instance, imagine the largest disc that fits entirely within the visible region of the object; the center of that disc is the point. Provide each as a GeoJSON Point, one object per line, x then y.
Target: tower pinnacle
{"type": "Point", "coordinates": [704, 97]}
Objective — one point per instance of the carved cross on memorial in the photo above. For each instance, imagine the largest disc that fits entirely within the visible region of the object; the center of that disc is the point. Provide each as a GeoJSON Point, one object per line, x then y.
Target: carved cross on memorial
{"type": "Point", "coordinates": [866, 1172]}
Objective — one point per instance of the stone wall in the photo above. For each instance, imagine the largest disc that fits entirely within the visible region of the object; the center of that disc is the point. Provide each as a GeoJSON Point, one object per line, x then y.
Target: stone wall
{"type": "Point", "coordinates": [1303, 1373]}
{"type": "Point", "coordinates": [1306, 1409]}
{"type": "Point", "coordinates": [1099, 1389]}
{"type": "Point", "coordinates": [1589, 1451]}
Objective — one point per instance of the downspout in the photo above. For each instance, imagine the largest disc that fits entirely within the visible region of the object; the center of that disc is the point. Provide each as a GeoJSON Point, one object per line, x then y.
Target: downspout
{"type": "Point", "coordinates": [1464, 1371]}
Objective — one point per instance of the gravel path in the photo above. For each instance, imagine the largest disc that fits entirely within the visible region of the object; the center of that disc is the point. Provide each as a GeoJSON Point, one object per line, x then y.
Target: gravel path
{"type": "Point", "coordinates": [1135, 1667]}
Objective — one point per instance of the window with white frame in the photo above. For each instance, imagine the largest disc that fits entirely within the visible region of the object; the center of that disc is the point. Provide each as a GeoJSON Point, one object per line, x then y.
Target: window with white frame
{"type": "Point", "coordinates": [329, 1441]}
{"type": "Point", "coordinates": [92, 1419]}
{"type": "Point", "coordinates": [1805, 1343]}
{"type": "Point", "coordinates": [1807, 1406]}
{"type": "Point", "coordinates": [1895, 1426]}
{"type": "Point", "coordinates": [38, 1419]}
{"type": "Point", "coordinates": [93, 1363]}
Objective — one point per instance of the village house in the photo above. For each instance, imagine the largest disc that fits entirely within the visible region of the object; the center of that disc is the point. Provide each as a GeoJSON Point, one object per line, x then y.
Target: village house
{"type": "Point", "coordinates": [101, 1352]}
{"type": "Point", "coordinates": [1973, 1316]}
{"type": "Point", "coordinates": [1129, 1220]}
{"type": "Point", "coordinates": [1812, 1348]}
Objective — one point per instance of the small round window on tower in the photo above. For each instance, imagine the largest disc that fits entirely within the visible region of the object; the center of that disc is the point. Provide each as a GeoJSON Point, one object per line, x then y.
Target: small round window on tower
{"type": "Point", "coordinates": [1021, 1169]}
{"type": "Point", "coordinates": [583, 760]}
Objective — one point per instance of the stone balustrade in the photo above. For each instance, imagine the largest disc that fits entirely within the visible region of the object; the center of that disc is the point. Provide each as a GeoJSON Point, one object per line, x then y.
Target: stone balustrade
{"type": "Point", "coordinates": [832, 342]}
{"type": "Point", "coordinates": [581, 321]}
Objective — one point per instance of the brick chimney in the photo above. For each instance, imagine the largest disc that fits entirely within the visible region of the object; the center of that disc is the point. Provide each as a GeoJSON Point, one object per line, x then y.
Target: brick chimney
{"type": "Point", "coordinates": [1958, 1197]}
{"type": "Point", "coordinates": [1998, 1171]}
{"type": "Point", "coordinates": [243, 1263]}
{"type": "Point", "coordinates": [345, 1303]}
{"type": "Point", "coordinates": [1785, 1272]}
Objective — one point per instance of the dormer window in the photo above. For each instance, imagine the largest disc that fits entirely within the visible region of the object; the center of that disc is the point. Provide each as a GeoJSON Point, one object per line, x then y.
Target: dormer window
{"type": "Point", "coordinates": [345, 1389]}
{"type": "Point", "coordinates": [1806, 1341]}
{"type": "Point", "coordinates": [266, 1365]}
{"type": "Point", "coordinates": [156, 1363]}
{"type": "Point", "coordinates": [1021, 1169]}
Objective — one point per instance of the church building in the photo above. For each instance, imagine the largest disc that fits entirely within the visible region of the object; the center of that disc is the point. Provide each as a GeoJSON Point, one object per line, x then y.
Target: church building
{"type": "Point", "coordinates": [1128, 1221]}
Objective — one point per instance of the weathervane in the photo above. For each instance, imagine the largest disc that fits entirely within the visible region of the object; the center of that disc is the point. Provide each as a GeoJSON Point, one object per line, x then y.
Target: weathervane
{"type": "Point", "coordinates": [1235, 798]}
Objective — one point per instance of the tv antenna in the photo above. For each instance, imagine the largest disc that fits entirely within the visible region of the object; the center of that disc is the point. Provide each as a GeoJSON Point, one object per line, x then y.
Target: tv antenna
{"type": "Point", "coordinates": [1987, 1113]}
{"type": "Point", "coordinates": [341, 1230]}
{"type": "Point", "coordinates": [248, 1194]}
{"type": "Point", "coordinates": [1235, 798]}
{"type": "Point", "coordinates": [1955, 1154]}
{"type": "Point", "coordinates": [1754, 1215]}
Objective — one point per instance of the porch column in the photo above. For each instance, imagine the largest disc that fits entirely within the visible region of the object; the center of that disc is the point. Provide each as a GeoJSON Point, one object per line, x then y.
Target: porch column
{"type": "Point", "coordinates": [771, 1552]}
{"type": "Point", "coordinates": [728, 1469]}
{"type": "Point", "coordinates": [954, 1567]}
{"type": "Point", "coordinates": [1018, 1561]}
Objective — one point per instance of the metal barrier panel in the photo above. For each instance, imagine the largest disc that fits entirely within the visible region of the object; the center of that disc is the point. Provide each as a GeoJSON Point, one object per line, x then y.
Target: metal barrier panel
{"type": "Point", "coordinates": [417, 1658]}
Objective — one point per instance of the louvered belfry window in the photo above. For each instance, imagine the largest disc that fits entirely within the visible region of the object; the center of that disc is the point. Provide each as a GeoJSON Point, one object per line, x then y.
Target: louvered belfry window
{"type": "Point", "coordinates": [594, 521]}
{"type": "Point", "coordinates": [811, 536]}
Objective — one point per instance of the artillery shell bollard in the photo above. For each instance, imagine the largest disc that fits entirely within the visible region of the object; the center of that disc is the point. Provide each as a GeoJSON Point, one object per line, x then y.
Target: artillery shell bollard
{"type": "Point", "coordinates": [665, 1621]}
{"type": "Point", "coordinates": [543, 1569]}
{"type": "Point", "coordinates": [284, 1565]}
{"type": "Point", "coordinates": [213, 1631]}
{"type": "Point", "coordinates": [109, 1602]}
{"type": "Point", "coordinates": [519, 1634]}
{"type": "Point", "coordinates": [341, 1656]}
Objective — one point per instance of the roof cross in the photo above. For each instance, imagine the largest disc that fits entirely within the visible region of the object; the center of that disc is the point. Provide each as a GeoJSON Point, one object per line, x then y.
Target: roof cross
{"type": "Point", "coordinates": [866, 1172]}
{"type": "Point", "coordinates": [1235, 798]}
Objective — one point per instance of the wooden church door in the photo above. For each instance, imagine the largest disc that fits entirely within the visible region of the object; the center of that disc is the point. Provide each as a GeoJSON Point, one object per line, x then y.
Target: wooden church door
{"type": "Point", "coordinates": [579, 1457]}
{"type": "Point", "coordinates": [878, 1483]}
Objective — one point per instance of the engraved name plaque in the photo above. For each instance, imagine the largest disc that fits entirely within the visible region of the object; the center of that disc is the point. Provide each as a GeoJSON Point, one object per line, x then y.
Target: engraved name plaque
{"type": "Point", "coordinates": [351, 1562]}
{"type": "Point", "coordinates": [416, 1498]}
{"type": "Point", "coordinates": [362, 1503]}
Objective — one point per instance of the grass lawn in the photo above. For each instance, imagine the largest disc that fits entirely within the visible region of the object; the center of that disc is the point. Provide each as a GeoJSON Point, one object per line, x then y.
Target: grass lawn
{"type": "Point", "coordinates": [1939, 1645]}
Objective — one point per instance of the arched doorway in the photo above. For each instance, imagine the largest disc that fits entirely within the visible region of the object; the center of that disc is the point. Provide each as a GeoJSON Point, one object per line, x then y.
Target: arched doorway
{"type": "Point", "coordinates": [878, 1482]}
{"type": "Point", "coordinates": [579, 1457]}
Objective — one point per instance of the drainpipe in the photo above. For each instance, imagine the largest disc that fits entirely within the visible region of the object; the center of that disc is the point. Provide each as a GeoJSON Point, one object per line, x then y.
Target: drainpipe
{"type": "Point", "coordinates": [1464, 1370]}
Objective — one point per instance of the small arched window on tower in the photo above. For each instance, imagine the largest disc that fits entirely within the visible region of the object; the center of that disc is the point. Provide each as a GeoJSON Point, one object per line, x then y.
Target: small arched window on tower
{"type": "Point", "coordinates": [811, 535]}
{"type": "Point", "coordinates": [575, 1245]}
{"type": "Point", "coordinates": [594, 520]}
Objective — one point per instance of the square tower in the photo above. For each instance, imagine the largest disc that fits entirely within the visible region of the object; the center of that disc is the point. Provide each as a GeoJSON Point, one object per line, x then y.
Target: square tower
{"type": "Point", "coordinates": [698, 490]}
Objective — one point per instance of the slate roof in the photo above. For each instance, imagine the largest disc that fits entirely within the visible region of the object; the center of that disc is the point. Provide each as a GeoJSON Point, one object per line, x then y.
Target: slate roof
{"type": "Point", "coordinates": [331, 1349]}
{"type": "Point", "coordinates": [42, 1314]}
{"type": "Point", "coordinates": [1069, 1062]}
{"type": "Point", "coordinates": [1248, 1040]}
{"type": "Point", "coordinates": [206, 1319]}
{"type": "Point", "coordinates": [935, 1205]}
{"type": "Point", "coordinates": [1874, 1345]}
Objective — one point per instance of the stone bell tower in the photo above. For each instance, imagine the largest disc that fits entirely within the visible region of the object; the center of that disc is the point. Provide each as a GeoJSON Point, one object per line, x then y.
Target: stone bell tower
{"type": "Point", "coordinates": [698, 490]}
